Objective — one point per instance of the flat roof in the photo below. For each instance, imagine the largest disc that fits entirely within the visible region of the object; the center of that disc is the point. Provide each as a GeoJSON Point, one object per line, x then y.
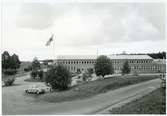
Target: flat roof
{"type": "Point", "coordinates": [130, 57]}
{"type": "Point", "coordinates": [77, 57]}
{"type": "Point", "coordinates": [63, 57]}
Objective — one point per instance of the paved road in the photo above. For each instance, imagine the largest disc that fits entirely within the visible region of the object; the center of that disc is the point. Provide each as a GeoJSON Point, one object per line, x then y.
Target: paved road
{"type": "Point", "coordinates": [16, 102]}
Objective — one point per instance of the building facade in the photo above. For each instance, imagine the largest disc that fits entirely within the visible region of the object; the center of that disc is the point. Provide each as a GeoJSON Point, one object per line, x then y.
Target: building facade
{"type": "Point", "coordinates": [137, 63]}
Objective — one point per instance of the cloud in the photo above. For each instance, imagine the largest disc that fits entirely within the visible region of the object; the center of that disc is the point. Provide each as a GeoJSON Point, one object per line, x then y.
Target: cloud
{"type": "Point", "coordinates": [35, 16]}
{"type": "Point", "coordinates": [81, 28]}
{"type": "Point", "coordinates": [93, 24]}
{"type": "Point", "coordinates": [139, 28]}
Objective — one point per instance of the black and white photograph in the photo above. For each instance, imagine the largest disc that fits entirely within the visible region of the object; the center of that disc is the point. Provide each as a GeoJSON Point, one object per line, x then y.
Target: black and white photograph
{"type": "Point", "coordinates": [83, 58]}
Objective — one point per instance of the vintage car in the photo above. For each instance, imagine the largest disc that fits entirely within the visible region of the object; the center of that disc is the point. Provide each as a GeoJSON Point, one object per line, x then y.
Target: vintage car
{"type": "Point", "coordinates": [38, 89]}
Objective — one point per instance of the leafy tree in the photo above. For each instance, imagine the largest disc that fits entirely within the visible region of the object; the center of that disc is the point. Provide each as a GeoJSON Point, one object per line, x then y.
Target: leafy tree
{"type": "Point", "coordinates": [10, 64]}
{"type": "Point", "coordinates": [14, 62]}
{"type": "Point", "coordinates": [103, 66]}
{"type": "Point", "coordinates": [126, 68]}
{"type": "Point", "coordinates": [35, 64]}
{"type": "Point", "coordinates": [58, 77]}
{"type": "Point", "coordinates": [5, 60]}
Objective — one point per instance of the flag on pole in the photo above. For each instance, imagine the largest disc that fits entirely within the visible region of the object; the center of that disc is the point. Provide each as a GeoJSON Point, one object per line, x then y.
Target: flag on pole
{"type": "Point", "coordinates": [49, 41]}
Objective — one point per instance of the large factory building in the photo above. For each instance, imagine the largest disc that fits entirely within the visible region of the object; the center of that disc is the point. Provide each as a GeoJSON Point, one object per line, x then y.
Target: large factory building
{"type": "Point", "coordinates": [137, 63]}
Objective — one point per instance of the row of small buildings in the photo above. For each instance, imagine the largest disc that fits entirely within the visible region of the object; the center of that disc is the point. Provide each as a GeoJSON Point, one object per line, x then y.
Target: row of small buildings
{"type": "Point", "coordinates": [137, 63]}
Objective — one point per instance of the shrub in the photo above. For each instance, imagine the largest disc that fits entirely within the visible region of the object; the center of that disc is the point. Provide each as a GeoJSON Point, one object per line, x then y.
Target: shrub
{"type": "Point", "coordinates": [27, 69]}
{"type": "Point", "coordinates": [9, 82]}
{"type": "Point", "coordinates": [58, 77]}
{"type": "Point", "coordinates": [85, 76]}
{"type": "Point", "coordinates": [34, 74]}
{"type": "Point", "coordinates": [40, 74]}
{"type": "Point", "coordinates": [10, 72]}
{"type": "Point", "coordinates": [90, 71]}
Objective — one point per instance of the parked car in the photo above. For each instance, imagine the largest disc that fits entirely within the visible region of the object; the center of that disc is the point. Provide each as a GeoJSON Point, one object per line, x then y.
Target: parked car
{"type": "Point", "coordinates": [38, 89]}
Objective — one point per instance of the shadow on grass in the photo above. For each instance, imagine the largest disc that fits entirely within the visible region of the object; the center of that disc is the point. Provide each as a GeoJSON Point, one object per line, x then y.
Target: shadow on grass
{"type": "Point", "coordinates": [12, 85]}
{"type": "Point", "coordinates": [33, 80]}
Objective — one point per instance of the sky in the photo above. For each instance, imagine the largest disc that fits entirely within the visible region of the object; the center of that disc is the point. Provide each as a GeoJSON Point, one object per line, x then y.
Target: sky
{"type": "Point", "coordinates": [81, 28]}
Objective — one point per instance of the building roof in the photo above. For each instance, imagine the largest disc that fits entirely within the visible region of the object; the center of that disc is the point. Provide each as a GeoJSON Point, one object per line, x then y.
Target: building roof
{"type": "Point", "coordinates": [110, 56]}
{"type": "Point", "coordinates": [129, 56]}
{"type": "Point", "coordinates": [77, 57]}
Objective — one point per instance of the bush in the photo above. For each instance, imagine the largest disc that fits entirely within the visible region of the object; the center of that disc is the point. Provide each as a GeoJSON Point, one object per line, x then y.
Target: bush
{"type": "Point", "coordinates": [90, 71]}
{"type": "Point", "coordinates": [40, 74]}
{"type": "Point", "coordinates": [27, 69]}
{"type": "Point", "coordinates": [58, 77]}
{"type": "Point", "coordinates": [10, 72]}
{"type": "Point", "coordinates": [9, 82]}
{"type": "Point", "coordinates": [34, 74]}
{"type": "Point", "coordinates": [85, 76]}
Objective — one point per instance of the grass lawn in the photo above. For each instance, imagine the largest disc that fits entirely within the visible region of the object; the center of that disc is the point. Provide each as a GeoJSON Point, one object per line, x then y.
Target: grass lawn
{"type": "Point", "coordinates": [153, 103]}
{"type": "Point", "coordinates": [4, 77]}
{"type": "Point", "coordinates": [89, 89]}
{"type": "Point", "coordinates": [33, 80]}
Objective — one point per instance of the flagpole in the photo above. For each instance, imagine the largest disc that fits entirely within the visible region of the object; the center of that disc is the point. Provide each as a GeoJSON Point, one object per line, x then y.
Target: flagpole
{"type": "Point", "coordinates": [97, 53]}
{"type": "Point", "coordinates": [54, 50]}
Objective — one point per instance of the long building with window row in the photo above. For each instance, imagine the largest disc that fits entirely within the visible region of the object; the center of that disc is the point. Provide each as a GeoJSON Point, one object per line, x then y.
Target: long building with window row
{"type": "Point", "coordinates": [137, 63]}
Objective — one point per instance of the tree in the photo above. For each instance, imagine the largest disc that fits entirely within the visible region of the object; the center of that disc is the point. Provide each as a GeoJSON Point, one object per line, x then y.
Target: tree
{"type": "Point", "coordinates": [126, 68]}
{"type": "Point", "coordinates": [103, 66]}
{"type": "Point", "coordinates": [14, 62]}
{"type": "Point", "coordinates": [10, 64]}
{"type": "Point", "coordinates": [5, 60]}
{"type": "Point", "coordinates": [58, 77]}
{"type": "Point", "coordinates": [159, 55]}
{"type": "Point", "coordinates": [35, 64]}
